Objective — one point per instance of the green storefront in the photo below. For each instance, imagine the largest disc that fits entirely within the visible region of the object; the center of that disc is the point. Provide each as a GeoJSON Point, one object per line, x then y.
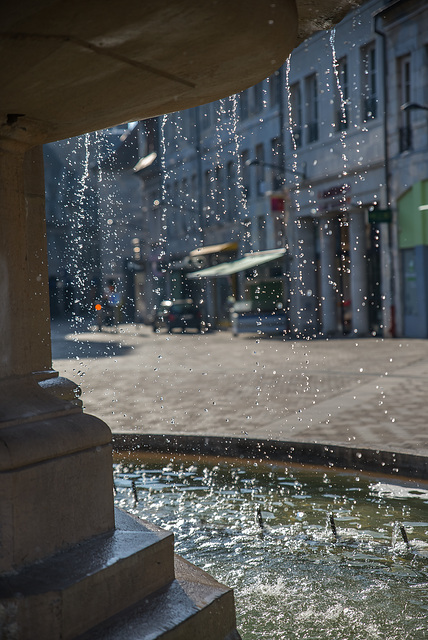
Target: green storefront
{"type": "Point", "coordinates": [413, 245]}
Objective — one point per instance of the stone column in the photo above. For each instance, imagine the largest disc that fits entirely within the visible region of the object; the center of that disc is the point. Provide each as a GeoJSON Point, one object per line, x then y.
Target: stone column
{"type": "Point", "coordinates": [25, 346]}
{"type": "Point", "coordinates": [55, 462]}
{"type": "Point", "coordinates": [328, 278]}
{"type": "Point", "coordinates": [357, 253]}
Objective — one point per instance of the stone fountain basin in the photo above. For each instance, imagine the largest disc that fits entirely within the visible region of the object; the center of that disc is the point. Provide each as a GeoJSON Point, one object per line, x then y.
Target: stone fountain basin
{"type": "Point", "coordinates": [395, 463]}
{"type": "Point", "coordinates": [310, 551]}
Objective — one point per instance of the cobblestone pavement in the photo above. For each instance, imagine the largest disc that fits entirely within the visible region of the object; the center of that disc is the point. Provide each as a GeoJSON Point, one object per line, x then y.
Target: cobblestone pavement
{"type": "Point", "coordinates": [365, 392]}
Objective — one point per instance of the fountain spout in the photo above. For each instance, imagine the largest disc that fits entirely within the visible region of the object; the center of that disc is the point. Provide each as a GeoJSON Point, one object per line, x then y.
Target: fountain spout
{"type": "Point", "coordinates": [333, 526]}
{"type": "Point", "coordinates": [404, 536]}
{"type": "Point", "coordinates": [259, 518]}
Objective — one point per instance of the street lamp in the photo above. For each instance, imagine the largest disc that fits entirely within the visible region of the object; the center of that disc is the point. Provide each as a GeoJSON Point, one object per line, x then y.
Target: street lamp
{"type": "Point", "coordinates": [250, 163]}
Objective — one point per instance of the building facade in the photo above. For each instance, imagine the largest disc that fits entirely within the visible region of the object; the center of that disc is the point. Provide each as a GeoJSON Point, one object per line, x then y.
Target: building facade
{"type": "Point", "coordinates": [326, 159]}
{"type": "Point", "coordinates": [297, 161]}
{"type": "Point", "coordinates": [342, 253]}
{"type": "Point", "coordinates": [403, 29]}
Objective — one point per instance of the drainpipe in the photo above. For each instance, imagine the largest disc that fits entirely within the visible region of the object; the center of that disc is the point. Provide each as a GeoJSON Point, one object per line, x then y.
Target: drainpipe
{"type": "Point", "coordinates": [378, 31]}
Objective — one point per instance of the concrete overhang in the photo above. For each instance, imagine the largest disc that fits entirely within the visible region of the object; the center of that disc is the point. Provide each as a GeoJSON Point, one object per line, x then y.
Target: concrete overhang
{"type": "Point", "coordinates": [73, 67]}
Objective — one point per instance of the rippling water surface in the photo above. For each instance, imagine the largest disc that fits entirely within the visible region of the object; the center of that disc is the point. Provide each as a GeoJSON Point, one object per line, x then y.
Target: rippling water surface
{"type": "Point", "coordinates": [269, 532]}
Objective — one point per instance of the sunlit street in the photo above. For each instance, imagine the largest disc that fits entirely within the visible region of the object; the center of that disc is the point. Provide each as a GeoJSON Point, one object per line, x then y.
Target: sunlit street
{"type": "Point", "coordinates": [369, 392]}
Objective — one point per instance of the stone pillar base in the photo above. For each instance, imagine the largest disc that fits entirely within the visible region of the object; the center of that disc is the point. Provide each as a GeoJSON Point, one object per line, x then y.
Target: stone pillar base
{"type": "Point", "coordinates": [68, 570]}
{"type": "Point", "coordinates": [56, 482]}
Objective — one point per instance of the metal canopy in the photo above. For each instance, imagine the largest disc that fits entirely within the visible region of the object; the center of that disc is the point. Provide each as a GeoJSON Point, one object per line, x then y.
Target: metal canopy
{"type": "Point", "coordinates": [249, 261]}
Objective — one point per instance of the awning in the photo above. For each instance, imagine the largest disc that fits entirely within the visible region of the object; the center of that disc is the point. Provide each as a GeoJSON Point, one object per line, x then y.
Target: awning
{"type": "Point", "coordinates": [249, 261]}
{"type": "Point", "coordinates": [214, 248]}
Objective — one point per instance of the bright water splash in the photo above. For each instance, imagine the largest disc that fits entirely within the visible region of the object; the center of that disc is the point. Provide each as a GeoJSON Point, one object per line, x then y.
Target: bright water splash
{"type": "Point", "coordinates": [343, 104]}
{"type": "Point", "coordinates": [293, 579]}
{"type": "Point", "coordinates": [163, 238]}
{"type": "Point", "coordinates": [180, 199]}
{"type": "Point", "coordinates": [291, 129]}
{"type": "Point", "coordinates": [77, 263]}
{"type": "Point", "coordinates": [242, 200]}
{"type": "Point", "coordinates": [295, 230]}
{"type": "Point", "coordinates": [343, 133]}
{"type": "Point", "coordinates": [221, 128]}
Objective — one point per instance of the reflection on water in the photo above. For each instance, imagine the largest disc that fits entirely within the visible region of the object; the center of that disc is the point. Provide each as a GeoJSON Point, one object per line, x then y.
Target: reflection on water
{"type": "Point", "coordinates": [267, 532]}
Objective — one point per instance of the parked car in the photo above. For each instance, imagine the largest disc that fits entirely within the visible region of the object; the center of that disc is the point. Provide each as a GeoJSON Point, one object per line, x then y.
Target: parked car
{"type": "Point", "coordinates": [177, 314]}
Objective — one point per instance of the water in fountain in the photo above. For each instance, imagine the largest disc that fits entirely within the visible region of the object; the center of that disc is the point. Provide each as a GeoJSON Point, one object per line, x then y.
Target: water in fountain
{"type": "Point", "coordinates": [310, 553]}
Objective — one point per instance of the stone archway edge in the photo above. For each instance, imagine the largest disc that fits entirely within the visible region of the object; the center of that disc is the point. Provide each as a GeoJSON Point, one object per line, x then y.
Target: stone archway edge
{"type": "Point", "coordinates": [382, 462]}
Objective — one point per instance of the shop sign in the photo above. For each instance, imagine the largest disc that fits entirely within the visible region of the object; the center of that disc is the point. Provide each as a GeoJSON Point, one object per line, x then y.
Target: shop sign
{"type": "Point", "coordinates": [380, 215]}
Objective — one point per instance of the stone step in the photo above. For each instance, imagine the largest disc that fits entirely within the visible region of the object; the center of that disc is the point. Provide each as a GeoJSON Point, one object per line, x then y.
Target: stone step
{"type": "Point", "coordinates": [193, 607]}
{"type": "Point", "coordinates": [75, 590]}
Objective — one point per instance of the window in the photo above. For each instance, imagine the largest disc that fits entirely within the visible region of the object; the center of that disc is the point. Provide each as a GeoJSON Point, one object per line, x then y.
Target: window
{"type": "Point", "coordinates": [260, 169]}
{"type": "Point", "coordinates": [404, 96]}
{"type": "Point", "coordinates": [208, 196]}
{"type": "Point", "coordinates": [188, 125]}
{"type": "Point", "coordinates": [341, 96]}
{"type": "Point", "coordinates": [274, 88]}
{"type": "Point", "coordinates": [245, 173]}
{"type": "Point", "coordinates": [194, 199]}
{"type": "Point", "coordinates": [369, 92]}
{"type": "Point", "coordinates": [261, 233]}
{"type": "Point", "coordinates": [193, 187]}
{"type": "Point", "coordinates": [231, 190]}
{"type": "Point", "coordinates": [296, 113]}
{"type": "Point", "coordinates": [175, 202]}
{"type": "Point", "coordinates": [311, 90]}
{"type": "Point", "coordinates": [184, 208]}
{"type": "Point", "coordinates": [258, 97]}
{"type": "Point", "coordinates": [218, 193]}
{"type": "Point", "coordinates": [206, 120]}
{"type": "Point", "coordinates": [277, 177]}
{"type": "Point", "coordinates": [243, 105]}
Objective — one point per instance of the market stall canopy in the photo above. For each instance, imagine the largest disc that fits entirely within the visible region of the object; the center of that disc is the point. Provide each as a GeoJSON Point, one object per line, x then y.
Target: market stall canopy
{"type": "Point", "coordinates": [73, 67]}
{"type": "Point", "coordinates": [249, 261]}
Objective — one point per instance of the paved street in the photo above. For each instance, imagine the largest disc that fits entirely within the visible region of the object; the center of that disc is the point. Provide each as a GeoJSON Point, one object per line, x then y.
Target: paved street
{"type": "Point", "coordinates": [367, 391]}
